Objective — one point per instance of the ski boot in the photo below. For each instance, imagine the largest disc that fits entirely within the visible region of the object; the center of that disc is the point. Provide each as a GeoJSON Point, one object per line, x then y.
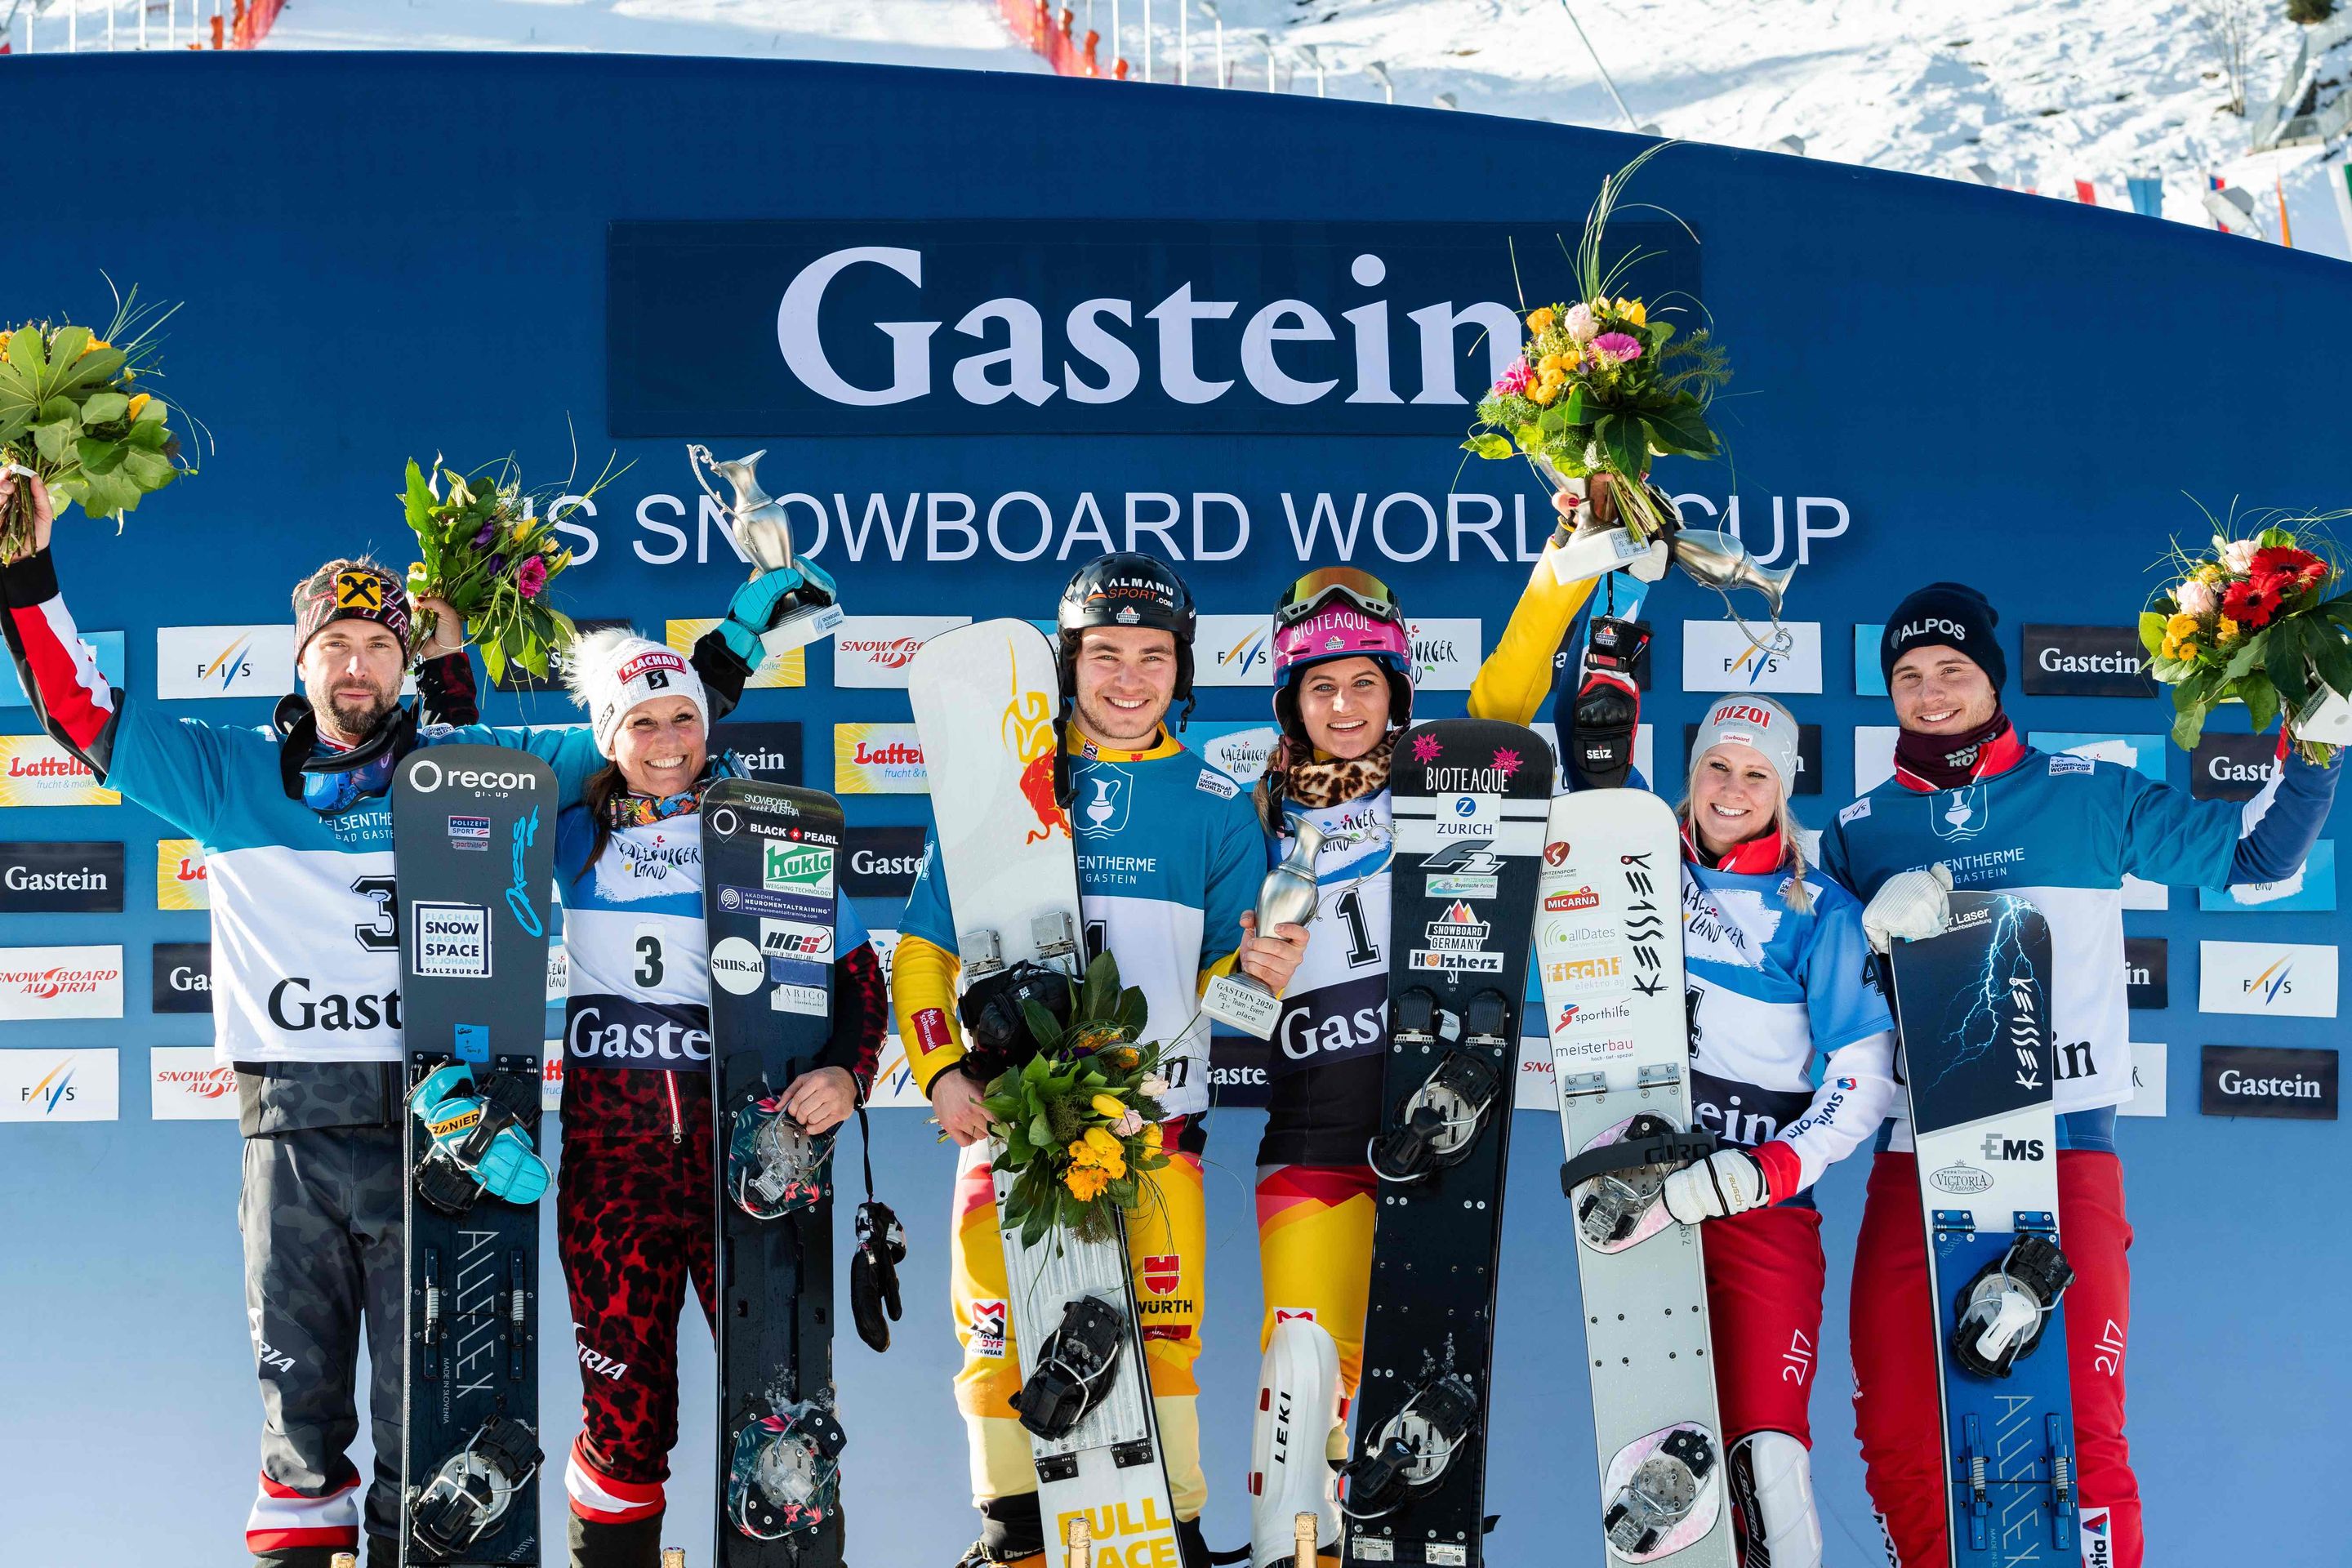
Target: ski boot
{"type": "Point", "coordinates": [471, 1490]}
{"type": "Point", "coordinates": [478, 1143]}
{"type": "Point", "coordinates": [784, 1475]}
{"type": "Point", "coordinates": [2002, 1310]}
{"type": "Point", "coordinates": [1076, 1366]}
{"type": "Point", "coordinates": [772, 1166]}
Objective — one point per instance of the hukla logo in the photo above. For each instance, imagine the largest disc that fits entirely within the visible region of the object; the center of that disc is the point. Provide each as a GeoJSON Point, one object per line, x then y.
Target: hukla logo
{"type": "Point", "coordinates": [51, 1090]}
{"type": "Point", "coordinates": [2273, 983]}
{"type": "Point", "coordinates": [798, 868]}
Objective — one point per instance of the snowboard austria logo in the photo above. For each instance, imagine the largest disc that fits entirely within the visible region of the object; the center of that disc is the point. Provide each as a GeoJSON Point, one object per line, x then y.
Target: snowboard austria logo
{"type": "Point", "coordinates": [873, 651]}
{"type": "Point", "coordinates": [61, 982]}
{"type": "Point", "coordinates": [185, 1084]}
{"type": "Point", "coordinates": [1958, 815]}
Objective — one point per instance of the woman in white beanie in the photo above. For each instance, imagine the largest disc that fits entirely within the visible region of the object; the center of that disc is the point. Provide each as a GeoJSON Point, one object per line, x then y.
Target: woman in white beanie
{"type": "Point", "coordinates": [634, 1198]}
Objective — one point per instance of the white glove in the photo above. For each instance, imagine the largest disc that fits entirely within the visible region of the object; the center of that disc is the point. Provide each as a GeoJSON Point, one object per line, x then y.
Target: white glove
{"type": "Point", "coordinates": [1595, 552]}
{"type": "Point", "coordinates": [1910, 905]}
{"type": "Point", "coordinates": [1725, 1183]}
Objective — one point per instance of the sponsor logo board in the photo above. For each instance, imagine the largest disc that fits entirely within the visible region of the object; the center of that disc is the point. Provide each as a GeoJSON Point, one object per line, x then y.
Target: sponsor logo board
{"type": "Point", "coordinates": [1446, 652]}
{"type": "Point", "coordinates": [880, 862]}
{"type": "Point", "coordinates": [2148, 972]}
{"type": "Point", "coordinates": [2287, 980]}
{"type": "Point", "coordinates": [550, 1074]}
{"type": "Point", "coordinates": [2267, 1080]}
{"type": "Point", "coordinates": [1239, 750]}
{"type": "Point", "coordinates": [1233, 651]}
{"type": "Point", "coordinates": [1873, 755]}
{"type": "Point", "coordinates": [2147, 1067]}
{"type": "Point", "coordinates": [180, 880]}
{"type": "Point", "coordinates": [107, 646]}
{"type": "Point", "coordinates": [787, 668]}
{"type": "Point", "coordinates": [61, 982]}
{"type": "Point", "coordinates": [768, 749]}
{"type": "Point", "coordinates": [451, 940]}
{"type": "Point", "coordinates": [40, 1084]}
{"type": "Point", "coordinates": [2085, 661]}
{"type": "Point", "coordinates": [37, 771]}
{"type": "Point", "coordinates": [2313, 887]}
{"type": "Point", "coordinates": [874, 650]}
{"type": "Point", "coordinates": [2231, 767]}
{"type": "Point", "coordinates": [185, 1084]}
{"type": "Point", "coordinates": [182, 978]}
{"type": "Point", "coordinates": [49, 876]}
{"type": "Point", "coordinates": [878, 758]}
{"type": "Point", "coordinates": [1719, 656]}
{"type": "Point", "coordinates": [223, 661]}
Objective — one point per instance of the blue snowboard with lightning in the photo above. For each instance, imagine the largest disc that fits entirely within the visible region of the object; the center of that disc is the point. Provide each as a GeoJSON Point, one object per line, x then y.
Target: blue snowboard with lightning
{"type": "Point", "coordinates": [1974, 1008]}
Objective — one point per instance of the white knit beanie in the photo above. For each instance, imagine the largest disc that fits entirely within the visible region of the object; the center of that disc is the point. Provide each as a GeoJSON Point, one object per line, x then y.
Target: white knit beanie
{"type": "Point", "coordinates": [611, 670]}
{"type": "Point", "coordinates": [1752, 721]}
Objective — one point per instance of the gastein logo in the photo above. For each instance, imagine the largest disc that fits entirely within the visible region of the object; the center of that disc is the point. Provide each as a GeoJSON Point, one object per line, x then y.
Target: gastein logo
{"type": "Point", "coordinates": [1957, 815]}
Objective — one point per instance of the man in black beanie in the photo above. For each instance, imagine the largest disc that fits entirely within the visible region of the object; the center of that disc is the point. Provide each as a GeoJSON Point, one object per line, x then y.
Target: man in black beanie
{"type": "Point", "coordinates": [1972, 804]}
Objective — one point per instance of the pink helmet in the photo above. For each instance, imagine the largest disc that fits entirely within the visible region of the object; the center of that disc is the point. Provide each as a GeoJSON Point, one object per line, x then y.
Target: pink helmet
{"type": "Point", "coordinates": [1341, 631]}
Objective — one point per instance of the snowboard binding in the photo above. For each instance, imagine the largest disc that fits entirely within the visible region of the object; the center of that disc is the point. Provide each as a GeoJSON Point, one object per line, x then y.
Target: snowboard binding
{"type": "Point", "coordinates": [1411, 1452]}
{"type": "Point", "coordinates": [1440, 1120]}
{"type": "Point", "coordinates": [994, 1012]}
{"type": "Point", "coordinates": [784, 1477]}
{"type": "Point", "coordinates": [1615, 1185]}
{"type": "Point", "coordinates": [773, 1167]}
{"type": "Point", "coordinates": [2003, 1308]}
{"type": "Point", "coordinates": [471, 1490]}
{"type": "Point", "coordinates": [1077, 1365]}
{"type": "Point", "coordinates": [479, 1141]}
{"type": "Point", "coordinates": [1659, 1495]}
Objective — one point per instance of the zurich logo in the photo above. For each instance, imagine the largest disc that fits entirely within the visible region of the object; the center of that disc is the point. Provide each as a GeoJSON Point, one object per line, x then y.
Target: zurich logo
{"type": "Point", "coordinates": [1959, 814]}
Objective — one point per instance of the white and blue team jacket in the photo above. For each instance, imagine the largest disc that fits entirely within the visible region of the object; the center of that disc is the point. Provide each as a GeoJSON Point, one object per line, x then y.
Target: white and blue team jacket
{"type": "Point", "coordinates": [1170, 858]}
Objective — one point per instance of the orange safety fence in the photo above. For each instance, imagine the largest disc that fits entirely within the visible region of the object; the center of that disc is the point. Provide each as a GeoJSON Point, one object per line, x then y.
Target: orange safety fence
{"type": "Point", "coordinates": [1047, 31]}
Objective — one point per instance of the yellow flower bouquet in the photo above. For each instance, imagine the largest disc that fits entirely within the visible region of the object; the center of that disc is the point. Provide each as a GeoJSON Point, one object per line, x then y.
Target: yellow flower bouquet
{"type": "Point", "coordinates": [1078, 1123]}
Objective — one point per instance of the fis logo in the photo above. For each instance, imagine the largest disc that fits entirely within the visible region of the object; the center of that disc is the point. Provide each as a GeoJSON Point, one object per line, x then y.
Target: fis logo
{"type": "Point", "coordinates": [51, 1090]}
{"type": "Point", "coordinates": [228, 664]}
{"type": "Point", "coordinates": [1997, 1147]}
{"type": "Point", "coordinates": [2273, 983]}
{"type": "Point", "coordinates": [1751, 665]}
{"type": "Point", "coordinates": [1245, 655]}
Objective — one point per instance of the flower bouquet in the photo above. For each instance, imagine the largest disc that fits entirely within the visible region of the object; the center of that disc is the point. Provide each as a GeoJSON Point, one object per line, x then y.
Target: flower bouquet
{"type": "Point", "coordinates": [488, 552]}
{"type": "Point", "coordinates": [2258, 621]}
{"type": "Point", "coordinates": [72, 415]}
{"type": "Point", "coordinates": [1079, 1121]}
{"type": "Point", "coordinates": [1600, 388]}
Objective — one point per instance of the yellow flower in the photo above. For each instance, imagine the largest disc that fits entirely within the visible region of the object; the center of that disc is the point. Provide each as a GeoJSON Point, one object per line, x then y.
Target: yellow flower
{"type": "Point", "coordinates": [1541, 320]}
{"type": "Point", "coordinates": [94, 345]}
{"type": "Point", "coordinates": [1543, 391]}
{"type": "Point", "coordinates": [522, 526]}
{"type": "Point", "coordinates": [138, 403]}
{"type": "Point", "coordinates": [2181, 626]}
{"type": "Point", "coordinates": [1105, 1146]}
{"type": "Point", "coordinates": [2228, 632]}
{"type": "Point", "coordinates": [1086, 1182]}
{"type": "Point", "coordinates": [2169, 649]}
{"type": "Point", "coordinates": [1081, 1154]}
{"type": "Point", "coordinates": [1632, 310]}
{"type": "Point", "coordinates": [1151, 1137]}
{"type": "Point", "coordinates": [1106, 1107]}
{"type": "Point", "coordinates": [1122, 1055]}
{"type": "Point", "coordinates": [2210, 572]}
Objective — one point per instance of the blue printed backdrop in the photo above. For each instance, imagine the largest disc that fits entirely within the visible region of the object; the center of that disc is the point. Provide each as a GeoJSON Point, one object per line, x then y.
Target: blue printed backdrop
{"type": "Point", "coordinates": [388, 256]}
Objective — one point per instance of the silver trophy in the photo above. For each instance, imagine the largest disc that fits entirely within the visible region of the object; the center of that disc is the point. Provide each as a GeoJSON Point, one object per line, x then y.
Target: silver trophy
{"type": "Point", "coordinates": [764, 534]}
{"type": "Point", "coordinates": [1288, 897]}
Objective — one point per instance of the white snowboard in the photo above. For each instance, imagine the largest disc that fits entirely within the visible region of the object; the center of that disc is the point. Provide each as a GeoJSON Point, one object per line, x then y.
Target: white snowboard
{"type": "Point", "coordinates": [984, 698]}
{"type": "Point", "coordinates": [1609, 947]}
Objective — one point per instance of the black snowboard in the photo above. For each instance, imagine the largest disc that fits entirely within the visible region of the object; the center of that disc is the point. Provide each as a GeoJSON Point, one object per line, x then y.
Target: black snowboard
{"type": "Point", "coordinates": [474, 853]}
{"type": "Point", "coordinates": [1471, 797]}
{"type": "Point", "coordinates": [768, 862]}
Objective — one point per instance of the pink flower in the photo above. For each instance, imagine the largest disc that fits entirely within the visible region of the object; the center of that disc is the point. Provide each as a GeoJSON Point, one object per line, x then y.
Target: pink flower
{"type": "Point", "coordinates": [1425, 748]}
{"type": "Point", "coordinates": [532, 578]}
{"type": "Point", "coordinates": [2198, 598]}
{"type": "Point", "coordinates": [1514, 380]}
{"type": "Point", "coordinates": [1619, 346]}
{"type": "Point", "coordinates": [1580, 323]}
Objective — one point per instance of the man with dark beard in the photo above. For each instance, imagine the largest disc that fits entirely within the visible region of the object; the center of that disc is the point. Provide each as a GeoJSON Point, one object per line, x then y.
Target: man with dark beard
{"type": "Point", "coordinates": [296, 827]}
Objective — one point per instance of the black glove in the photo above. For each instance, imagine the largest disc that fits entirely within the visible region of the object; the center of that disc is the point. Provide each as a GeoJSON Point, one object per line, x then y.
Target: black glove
{"type": "Point", "coordinates": [1608, 710]}
{"type": "Point", "coordinates": [874, 1273]}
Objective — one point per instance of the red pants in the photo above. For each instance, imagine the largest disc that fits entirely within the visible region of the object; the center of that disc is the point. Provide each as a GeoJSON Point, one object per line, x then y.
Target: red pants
{"type": "Point", "coordinates": [633, 1224]}
{"type": "Point", "coordinates": [1764, 1278]}
{"type": "Point", "coordinates": [1896, 1354]}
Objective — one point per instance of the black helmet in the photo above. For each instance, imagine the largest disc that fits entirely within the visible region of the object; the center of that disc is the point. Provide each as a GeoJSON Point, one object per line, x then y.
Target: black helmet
{"type": "Point", "coordinates": [1122, 589]}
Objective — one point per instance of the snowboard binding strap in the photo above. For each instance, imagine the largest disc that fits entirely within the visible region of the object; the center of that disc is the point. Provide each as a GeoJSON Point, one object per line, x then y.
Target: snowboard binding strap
{"type": "Point", "coordinates": [1624, 1179]}
{"type": "Point", "coordinates": [773, 1166]}
{"type": "Point", "coordinates": [1076, 1366]}
{"type": "Point", "coordinates": [784, 1476]}
{"type": "Point", "coordinates": [1414, 1449]}
{"type": "Point", "coordinates": [471, 1490]}
{"type": "Point", "coordinates": [2003, 1308]}
{"type": "Point", "coordinates": [1659, 1495]}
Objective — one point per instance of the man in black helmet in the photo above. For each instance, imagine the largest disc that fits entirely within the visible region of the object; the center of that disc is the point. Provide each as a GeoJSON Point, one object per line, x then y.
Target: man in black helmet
{"type": "Point", "coordinates": [1169, 859]}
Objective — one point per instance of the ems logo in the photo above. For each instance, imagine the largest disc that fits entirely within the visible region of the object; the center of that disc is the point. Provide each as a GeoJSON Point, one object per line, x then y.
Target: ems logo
{"type": "Point", "coordinates": [1959, 814]}
{"type": "Point", "coordinates": [1104, 809]}
{"type": "Point", "coordinates": [987, 1329]}
{"type": "Point", "coordinates": [453, 941]}
{"type": "Point", "coordinates": [1162, 1272]}
{"type": "Point", "coordinates": [1458, 930]}
{"type": "Point", "coordinates": [469, 833]}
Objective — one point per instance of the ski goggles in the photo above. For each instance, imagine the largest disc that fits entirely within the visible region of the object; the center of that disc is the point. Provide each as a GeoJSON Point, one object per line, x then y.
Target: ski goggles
{"type": "Point", "coordinates": [332, 792]}
{"type": "Point", "coordinates": [1350, 584]}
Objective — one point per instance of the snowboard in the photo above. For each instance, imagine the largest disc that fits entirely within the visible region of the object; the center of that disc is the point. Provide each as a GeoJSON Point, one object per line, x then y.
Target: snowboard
{"type": "Point", "coordinates": [984, 696]}
{"type": "Point", "coordinates": [1609, 949]}
{"type": "Point", "coordinates": [1973, 1006]}
{"type": "Point", "coordinates": [1470, 797]}
{"type": "Point", "coordinates": [769, 855]}
{"type": "Point", "coordinates": [474, 858]}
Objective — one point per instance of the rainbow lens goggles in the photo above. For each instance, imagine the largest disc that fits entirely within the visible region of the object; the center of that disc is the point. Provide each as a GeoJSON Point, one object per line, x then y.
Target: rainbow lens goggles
{"type": "Point", "coordinates": [1313, 593]}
